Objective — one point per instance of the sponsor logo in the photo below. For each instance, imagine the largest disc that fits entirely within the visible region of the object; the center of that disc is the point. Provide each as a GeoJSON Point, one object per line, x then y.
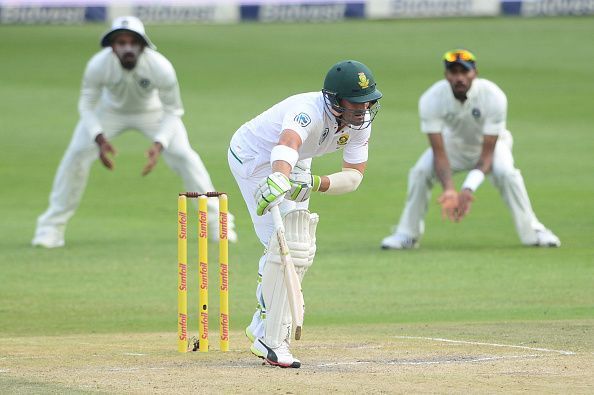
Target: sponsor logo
{"type": "Point", "coordinates": [204, 322]}
{"type": "Point", "coordinates": [225, 327]}
{"type": "Point", "coordinates": [363, 81]}
{"type": "Point", "coordinates": [203, 226]}
{"type": "Point", "coordinates": [343, 140]}
{"type": "Point", "coordinates": [302, 119]}
{"type": "Point", "coordinates": [183, 276]}
{"type": "Point", "coordinates": [176, 13]}
{"type": "Point", "coordinates": [224, 277]}
{"type": "Point", "coordinates": [324, 136]}
{"type": "Point", "coordinates": [223, 226]}
{"type": "Point", "coordinates": [183, 222]}
{"type": "Point", "coordinates": [415, 8]}
{"type": "Point", "coordinates": [203, 275]}
{"type": "Point", "coordinates": [476, 113]}
{"type": "Point", "coordinates": [558, 7]}
{"type": "Point", "coordinates": [144, 83]}
{"type": "Point", "coordinates": [182, 320]}
{"type": "Point", "coordinates": [28, 15]}
{"type": "Point", "coordinates": [302, 12]}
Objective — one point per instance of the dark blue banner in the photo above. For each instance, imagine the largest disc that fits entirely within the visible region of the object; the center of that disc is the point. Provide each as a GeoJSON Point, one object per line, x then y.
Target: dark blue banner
{"type": "Point", "coordinates": [318, 12]}
{"type": "Point", "coordinates": [547, 7]}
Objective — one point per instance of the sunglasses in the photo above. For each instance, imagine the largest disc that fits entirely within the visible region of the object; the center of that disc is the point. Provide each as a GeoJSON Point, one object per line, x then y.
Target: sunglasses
{"type": "Point", "coordinates": [459, 54]}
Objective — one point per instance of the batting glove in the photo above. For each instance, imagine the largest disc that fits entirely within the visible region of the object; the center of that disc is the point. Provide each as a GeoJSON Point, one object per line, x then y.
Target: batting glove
{"type": "Point", "coordinates": [271, 191]}
{"type": "Point", "coordinates": [302, 185]}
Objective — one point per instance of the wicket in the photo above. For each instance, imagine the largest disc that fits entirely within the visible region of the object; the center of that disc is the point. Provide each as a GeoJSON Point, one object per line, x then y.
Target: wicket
{"type": "Point", "coordinates": [182, 271]}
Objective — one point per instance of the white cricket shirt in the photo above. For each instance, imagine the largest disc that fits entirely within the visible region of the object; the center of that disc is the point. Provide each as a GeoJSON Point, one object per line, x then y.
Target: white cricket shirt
{"type": "Point", "coordinates": [305, 114]}
{"type": "Point", "coordinates": [151, 86]}
{"type": "Point", "coordinates": [463, 125]}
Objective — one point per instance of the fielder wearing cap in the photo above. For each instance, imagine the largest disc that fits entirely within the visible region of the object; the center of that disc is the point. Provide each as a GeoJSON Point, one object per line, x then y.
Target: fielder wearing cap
{"type": "Point", "coordinates": [127, 85]}
{"type": "Point", "coordinates": [464, 118]}
{"type": "Point", "coordinates": [270, 157]}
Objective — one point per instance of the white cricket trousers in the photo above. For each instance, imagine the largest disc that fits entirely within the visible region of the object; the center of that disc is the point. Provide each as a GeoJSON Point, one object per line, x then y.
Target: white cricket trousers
{"type": "Point", "coordinates": [506, 178]}
{"type": "Point", "coordinates": [248, 172]}
{"type": "Point", "coordinates": [72, 175]}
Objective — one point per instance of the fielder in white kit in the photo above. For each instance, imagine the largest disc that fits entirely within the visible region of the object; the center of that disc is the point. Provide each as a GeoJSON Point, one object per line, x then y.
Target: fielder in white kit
{"type": "Point", "coordinates": [270, 158]}
{"type": "Point", "coordinates": [464, 118]}
{"type": "Point", "coordinates": [127, 85]}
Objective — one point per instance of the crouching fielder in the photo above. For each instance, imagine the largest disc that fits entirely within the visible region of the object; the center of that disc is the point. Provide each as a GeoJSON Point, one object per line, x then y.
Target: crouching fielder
{"type": "Point", "coordinates": [270, 158]}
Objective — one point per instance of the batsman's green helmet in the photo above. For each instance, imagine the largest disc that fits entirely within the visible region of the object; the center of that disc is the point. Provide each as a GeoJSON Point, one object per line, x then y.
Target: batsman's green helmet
{"type": "Point", "coordinates": [350, 80]}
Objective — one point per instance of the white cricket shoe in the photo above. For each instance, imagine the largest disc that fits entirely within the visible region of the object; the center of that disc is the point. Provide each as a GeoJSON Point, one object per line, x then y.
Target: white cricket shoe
{"type": "Point", "coordinates": [48, 238]}
{"type": "Point", "coordinates": [546, 238]}
{"type": "Point", "coordinates": [279, 356]}
{"type": "Point", "coordinates": [398, 241]}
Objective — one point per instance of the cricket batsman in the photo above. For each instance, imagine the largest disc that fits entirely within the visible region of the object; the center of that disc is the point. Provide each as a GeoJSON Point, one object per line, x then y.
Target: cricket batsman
{"type": "Point", "coordinates": [270, 158]}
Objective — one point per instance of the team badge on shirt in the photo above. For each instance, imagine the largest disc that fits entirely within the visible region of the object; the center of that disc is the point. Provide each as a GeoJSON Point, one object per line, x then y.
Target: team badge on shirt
{"type": "Point", "coordinates": [302, 119]}
{"type": "Point", "coordinates": [324, 135]}
{"type": "Point", "coordinates": [343, 140]}
{"type": "Point", "coordinates": [476, 113]}
{"type": "Point", "coordinates": [144, 83]}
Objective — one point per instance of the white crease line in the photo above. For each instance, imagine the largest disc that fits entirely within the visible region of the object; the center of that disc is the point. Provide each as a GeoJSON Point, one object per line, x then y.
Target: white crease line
{"type": "Point", "coordinates": [4, 370]}
{"type": "Point", "coordinates": [134, 354]}
{"type": "Point", "coordinates": [438, 339]}
{"type": "Point", "coordinates": [445, 361]}
{"type": "Point", "coordinates": [133, 369]}
{"type": "Point", "coordinates": [361, 347]}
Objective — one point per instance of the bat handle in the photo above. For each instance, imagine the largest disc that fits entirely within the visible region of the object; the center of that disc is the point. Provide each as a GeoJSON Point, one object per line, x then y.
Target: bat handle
{"type": "Point", "coordinates": [276, 218]}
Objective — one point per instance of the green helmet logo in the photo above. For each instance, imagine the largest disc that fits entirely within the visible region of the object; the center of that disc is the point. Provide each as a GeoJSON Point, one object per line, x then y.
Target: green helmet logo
{"type": "Point", "coordinates": [354, 82]}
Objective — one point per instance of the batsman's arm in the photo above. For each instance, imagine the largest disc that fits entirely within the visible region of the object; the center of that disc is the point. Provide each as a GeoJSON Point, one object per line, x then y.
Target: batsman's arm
{"type": "Point", "coordinates": [347, 180]}
{"type": "Point", "coordinates": [285, 154]}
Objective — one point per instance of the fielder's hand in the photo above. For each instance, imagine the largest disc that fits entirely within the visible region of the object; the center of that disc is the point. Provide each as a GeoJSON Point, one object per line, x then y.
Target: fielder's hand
{"type": "Point", "coordinates": [152, 155]}
{"type": "Point", "coordinates": [271, 191]}
{"type": "Point", "coordinates": [105, 148]}
{"type": "Point", "coordinates": [465, 199]}
{"type": "Point", "coordinates": [449, 205]}
{"type": "Point", "coordinates": [303, 183]}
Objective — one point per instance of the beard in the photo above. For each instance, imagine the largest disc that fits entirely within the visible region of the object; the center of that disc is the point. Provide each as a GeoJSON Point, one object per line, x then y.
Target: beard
{"type": "Point", "coordinates": [128, 55]}
{"type": "Point", "coordinates": [128, 60]}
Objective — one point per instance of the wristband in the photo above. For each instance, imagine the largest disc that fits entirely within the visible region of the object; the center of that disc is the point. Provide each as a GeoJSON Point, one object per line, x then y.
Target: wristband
{"type": "Point", "coordinates": [473, 180]}
{"type": "Point", "coordinates": [316, 182]}
{"type": "Point", "coordinates": [284, 153]}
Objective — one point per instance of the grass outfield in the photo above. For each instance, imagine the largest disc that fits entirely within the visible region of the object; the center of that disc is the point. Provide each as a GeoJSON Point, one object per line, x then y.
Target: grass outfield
{"type": "Point", "coordinates": [117, 273]}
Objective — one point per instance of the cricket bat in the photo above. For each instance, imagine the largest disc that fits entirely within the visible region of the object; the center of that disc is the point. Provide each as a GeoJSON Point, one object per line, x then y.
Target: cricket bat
{"type": "Point", "coordinates": [294, 293]}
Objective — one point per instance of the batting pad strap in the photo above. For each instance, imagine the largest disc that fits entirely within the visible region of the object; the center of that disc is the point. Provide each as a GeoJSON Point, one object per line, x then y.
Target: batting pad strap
{"type": "Point", "coordinates": [284, 153]}
{"type": "Point", "coordinates": [344, 181]}
{"type": "Point", "coordinates": [473, 180]}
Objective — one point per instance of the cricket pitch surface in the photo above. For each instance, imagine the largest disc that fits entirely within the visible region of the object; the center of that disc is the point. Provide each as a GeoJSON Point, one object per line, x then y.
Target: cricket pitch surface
{"type": "Point", "coordinates": [534, 357]}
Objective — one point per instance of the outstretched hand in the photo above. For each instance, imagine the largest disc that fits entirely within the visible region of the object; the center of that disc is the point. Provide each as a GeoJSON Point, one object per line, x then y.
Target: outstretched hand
{"type": "Point", "coordinates": [105, 150]}
{"type": "Point", "coordinates": [449, 205]}
{"type": "Point", "coordinates": [465, 199]}
{"type": "Point", "coordinates": [152, 155]}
